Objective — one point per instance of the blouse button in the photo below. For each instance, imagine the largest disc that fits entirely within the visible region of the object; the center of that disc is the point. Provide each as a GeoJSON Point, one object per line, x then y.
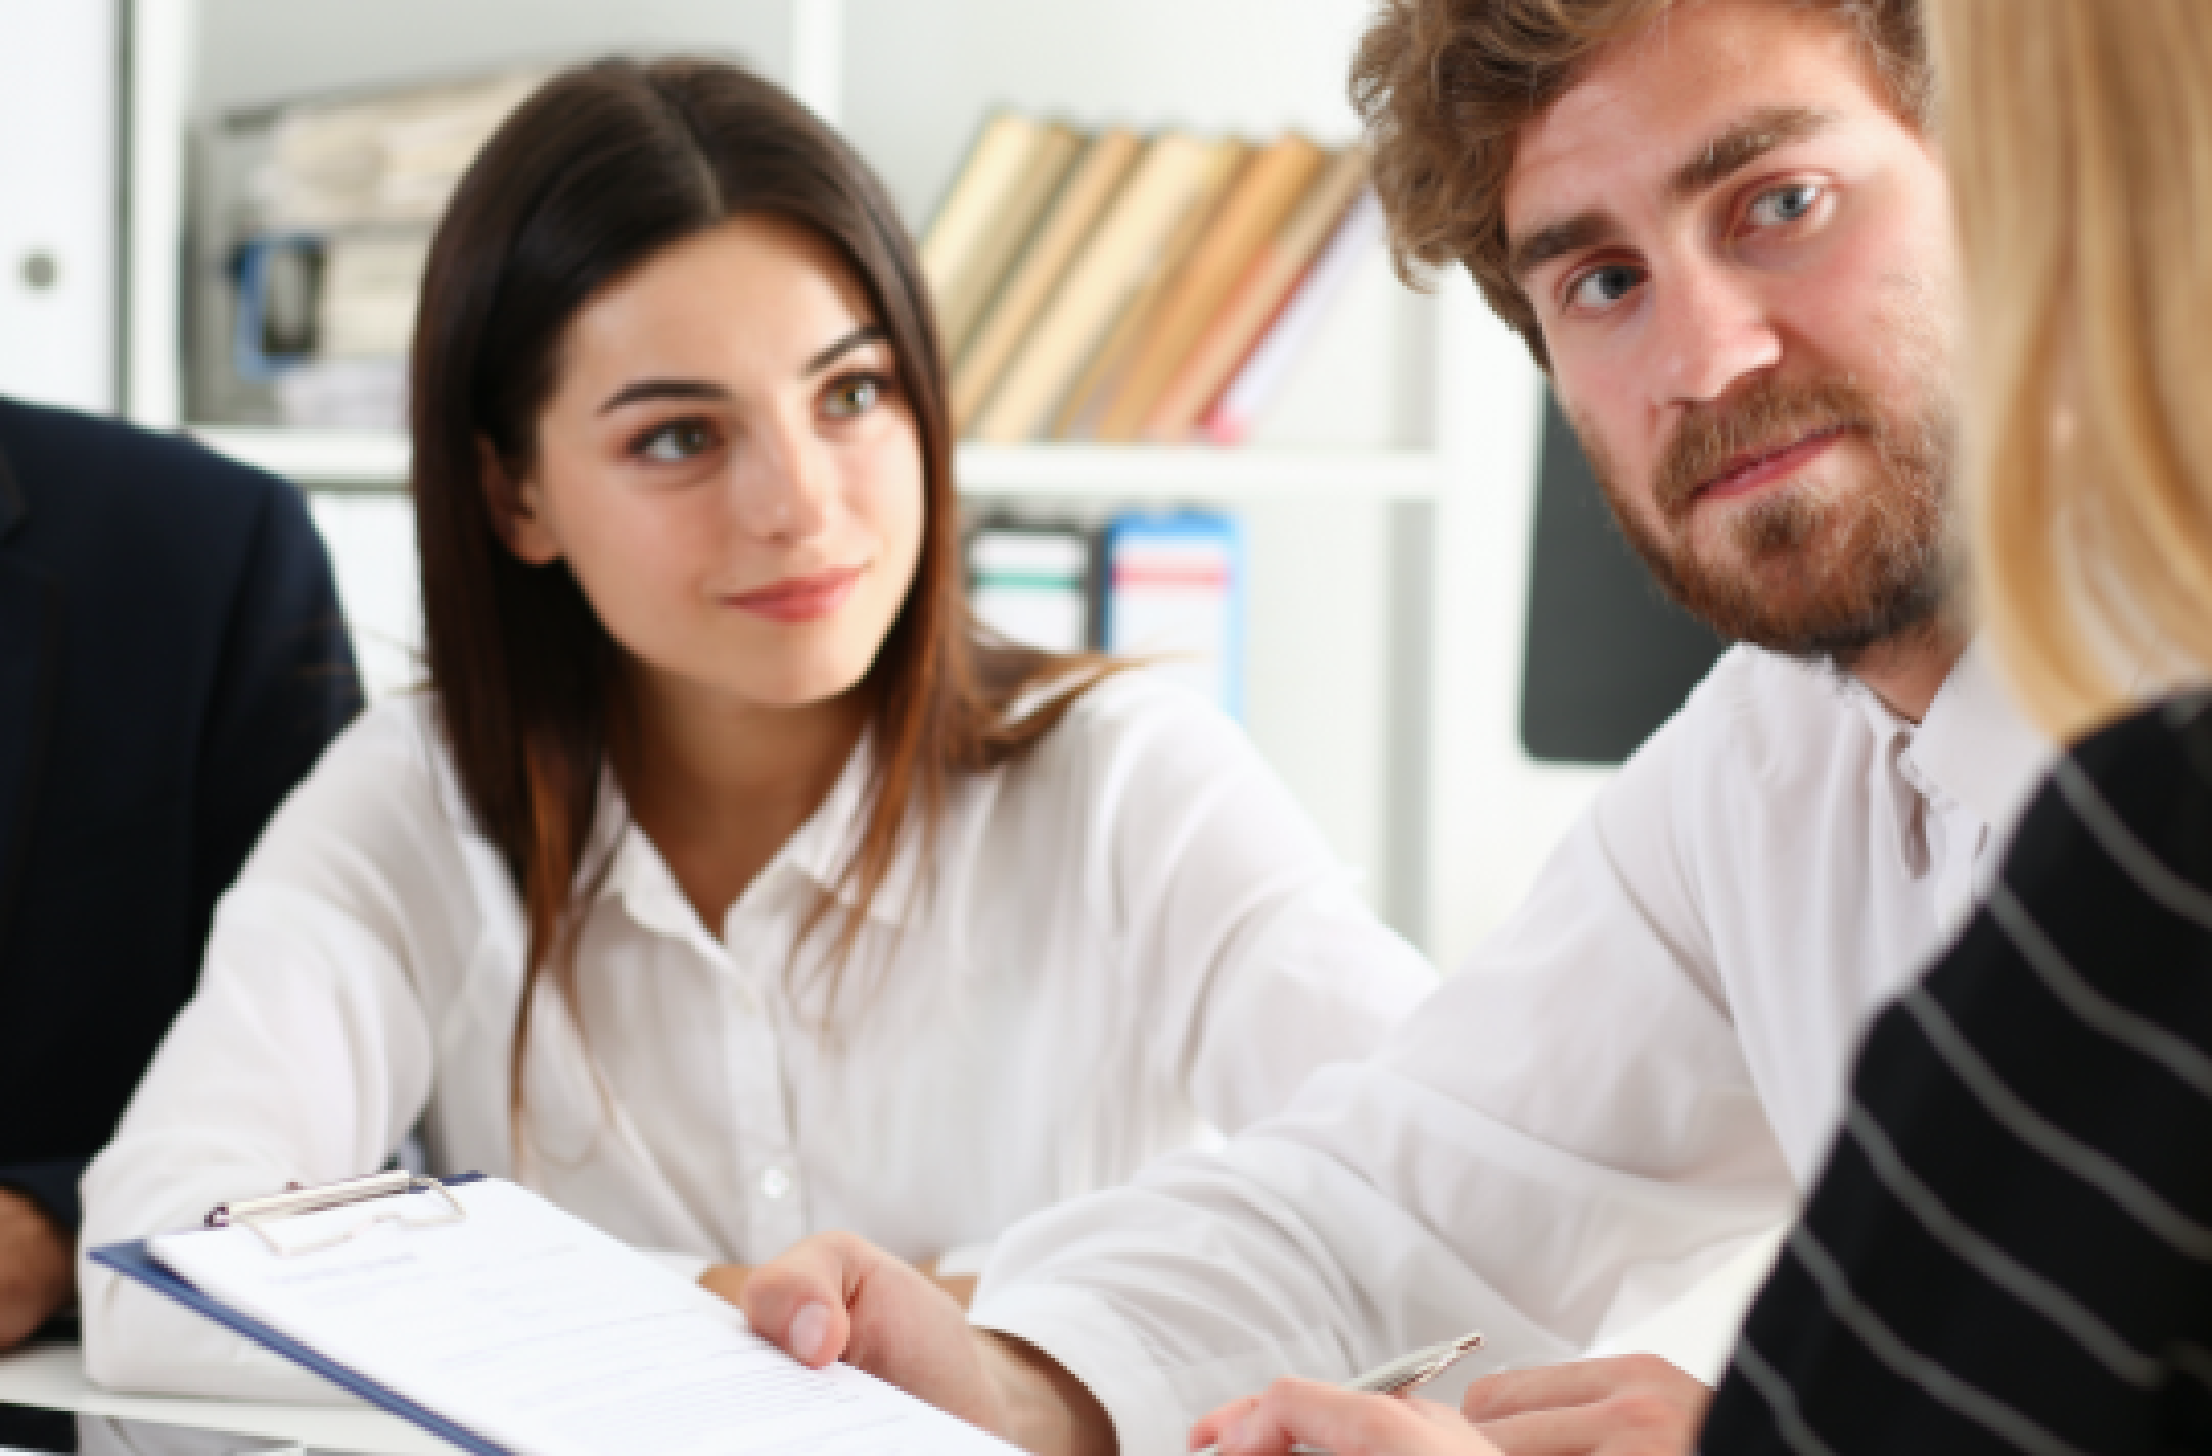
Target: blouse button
{"type": "Point", "coordinates": [775, 1183]}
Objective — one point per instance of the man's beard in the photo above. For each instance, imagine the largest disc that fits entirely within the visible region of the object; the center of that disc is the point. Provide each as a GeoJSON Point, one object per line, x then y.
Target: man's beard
{"type": "Point", "coordinates": [1818, 571]}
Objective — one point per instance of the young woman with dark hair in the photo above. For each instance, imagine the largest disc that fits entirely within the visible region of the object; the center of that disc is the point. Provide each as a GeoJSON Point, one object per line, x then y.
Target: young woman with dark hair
{"type": "Point", "coordinates": [727, 884]}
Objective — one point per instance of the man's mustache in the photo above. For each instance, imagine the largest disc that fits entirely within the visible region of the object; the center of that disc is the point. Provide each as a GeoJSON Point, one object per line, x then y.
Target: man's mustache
{"type": "Point", "coordinates": [1767, 417]}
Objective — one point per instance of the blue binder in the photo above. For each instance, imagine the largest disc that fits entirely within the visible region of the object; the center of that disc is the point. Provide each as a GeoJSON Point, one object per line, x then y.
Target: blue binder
{"type": "Point", "coordinates": [1175, 594]}
{"type": "Point", "coordinates": [136, 1261]}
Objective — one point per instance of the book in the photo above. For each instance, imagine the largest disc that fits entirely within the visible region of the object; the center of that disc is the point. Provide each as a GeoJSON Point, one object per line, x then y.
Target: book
{"type": "Point", "coordinates": [371, 283]}
{"type": "Point", "coordinates": [1110, 268]}
{"type": "Point", "coordinates": [1092, 182]}
{"type": "Point", "coordinates": [1252, 213]}
{"type": "Point", "coordinates": [1175, 599]}
{"type": "Point", "coordinates": [394, 157]}
{"type": "Point", "coordinates": [1078, 415]}
{"type": "Point", "coordinates": [1009, 227]}
{"type": "Point", "coordinates": [1270, 278]}
{"type": "Point", "coordinates": [995, 165]}
{"type": "Point", "coordinates": [1230, 420]}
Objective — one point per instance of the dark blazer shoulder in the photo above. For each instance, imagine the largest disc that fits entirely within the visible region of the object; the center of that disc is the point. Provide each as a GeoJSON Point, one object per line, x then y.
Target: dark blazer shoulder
{"type": "Point", "coordinates": [79, 479]}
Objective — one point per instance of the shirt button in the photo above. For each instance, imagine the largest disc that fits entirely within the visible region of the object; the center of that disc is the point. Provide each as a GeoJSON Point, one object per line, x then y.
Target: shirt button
{"type": "Point", "coordinates": [775, 1183]}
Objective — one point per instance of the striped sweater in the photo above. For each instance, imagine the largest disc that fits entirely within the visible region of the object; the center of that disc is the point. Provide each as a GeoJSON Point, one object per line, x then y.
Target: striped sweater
{"type": "Point", "coordinates": [2011, 1246]}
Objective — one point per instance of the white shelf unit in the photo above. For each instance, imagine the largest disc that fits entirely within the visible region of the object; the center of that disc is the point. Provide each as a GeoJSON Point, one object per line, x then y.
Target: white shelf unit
{"type": "Point", "coordinates": [1388, 499]}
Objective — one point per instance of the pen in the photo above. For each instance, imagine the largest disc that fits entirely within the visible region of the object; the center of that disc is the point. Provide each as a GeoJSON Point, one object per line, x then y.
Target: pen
{"type": "Point", "coordinates": [1401, 1376]}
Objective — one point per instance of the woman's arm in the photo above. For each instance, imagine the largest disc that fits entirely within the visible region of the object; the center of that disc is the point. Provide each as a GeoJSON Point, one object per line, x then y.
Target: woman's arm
{"type": "Point", "coordinates": [1251, 957]}
{"type": "Point", "coordinates": [305, 1056]}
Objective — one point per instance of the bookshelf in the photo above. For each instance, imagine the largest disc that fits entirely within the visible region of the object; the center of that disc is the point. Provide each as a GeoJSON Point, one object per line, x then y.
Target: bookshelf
{"type": "Point", "coordinates": [1387, 496]}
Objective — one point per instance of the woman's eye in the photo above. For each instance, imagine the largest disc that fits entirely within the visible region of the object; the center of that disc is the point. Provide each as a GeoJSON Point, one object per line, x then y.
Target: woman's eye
{"type": "Point", "coordinates": [677, 441]}
{"type": "Point", "coordinates": [1784, 205]}
{"type": "Point", "coordinates": [856, 395]}
{"type": "Point", "coordinates": [1601, 288]}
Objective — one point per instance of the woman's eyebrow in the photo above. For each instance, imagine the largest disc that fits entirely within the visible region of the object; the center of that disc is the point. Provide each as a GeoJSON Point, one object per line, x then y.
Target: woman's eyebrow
{"type": "Point", "coordinates": [864, 335]}
{"type": "Point", "coordinates": [641, 389]}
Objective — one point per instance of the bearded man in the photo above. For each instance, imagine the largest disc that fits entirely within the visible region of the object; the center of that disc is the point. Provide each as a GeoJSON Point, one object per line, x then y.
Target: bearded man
{"type": "Point", "coordinates": [1723, 229]}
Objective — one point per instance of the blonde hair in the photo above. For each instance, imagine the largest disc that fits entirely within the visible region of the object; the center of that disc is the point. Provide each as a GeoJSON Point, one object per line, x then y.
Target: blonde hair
{"type": "Point", "coordinates": [2079, 136]}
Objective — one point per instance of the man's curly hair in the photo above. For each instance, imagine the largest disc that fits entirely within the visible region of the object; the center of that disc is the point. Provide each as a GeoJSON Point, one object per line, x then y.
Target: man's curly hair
{"type": "Point", "coordinates": [1445, 87]}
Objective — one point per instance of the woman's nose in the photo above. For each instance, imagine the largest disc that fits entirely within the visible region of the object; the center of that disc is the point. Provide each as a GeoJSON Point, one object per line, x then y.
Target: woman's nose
{"type": "Point", "coordinates": [785, 483]}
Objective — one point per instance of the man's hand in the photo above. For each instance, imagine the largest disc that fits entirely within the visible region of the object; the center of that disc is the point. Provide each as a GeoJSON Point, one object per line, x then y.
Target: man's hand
{"type": "Point", "coordinates": [1346, 1422]}
{"type": "Point", "coordinates": [37, 1268]}
{"type": "Point", "coordinates": [836, 1296]}
{"type": "Point", "coordinates": [1636, 1405]}
{"type": "Point", "coordinates": [1631, 1405]}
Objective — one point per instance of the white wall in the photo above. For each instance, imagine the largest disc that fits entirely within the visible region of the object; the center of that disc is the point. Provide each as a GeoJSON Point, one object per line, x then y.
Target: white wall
{"type": "Point", "coordinates": [59, 226]}
{"type": "Point", "coordinates": [256, 52]}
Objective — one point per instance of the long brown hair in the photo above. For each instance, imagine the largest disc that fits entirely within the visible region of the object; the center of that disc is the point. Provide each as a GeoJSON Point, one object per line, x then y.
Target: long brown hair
{"type": "Point", "coordinates": [603, 167]}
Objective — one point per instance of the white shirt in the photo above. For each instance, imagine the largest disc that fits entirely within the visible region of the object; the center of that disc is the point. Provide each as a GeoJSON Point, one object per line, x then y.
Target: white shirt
{"type": "Point", "coordinates": [1128, 934]}
{"type": "Point", "coordinates": [1630, 1081]}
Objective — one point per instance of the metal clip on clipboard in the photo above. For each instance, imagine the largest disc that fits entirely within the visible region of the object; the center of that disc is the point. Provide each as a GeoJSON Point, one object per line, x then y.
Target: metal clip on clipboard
{"type": "Point", "coordinates": [258, 1213]}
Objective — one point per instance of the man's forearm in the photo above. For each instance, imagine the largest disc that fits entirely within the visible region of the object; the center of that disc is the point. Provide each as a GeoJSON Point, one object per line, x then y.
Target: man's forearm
{"type": "Point", "coordinates": [1042, 1407]}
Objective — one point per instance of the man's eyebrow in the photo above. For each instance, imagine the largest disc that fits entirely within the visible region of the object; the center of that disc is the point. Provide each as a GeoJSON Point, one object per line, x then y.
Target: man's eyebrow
{"type": "Point", "coordinates": [641, 389]}
{"type": "Point", "coordinates": [1727, 153]}
{"type": "Point", "coordinates": [864, 335]}
{"type": "Point", "coordinates": [1744, 143]}
{"type": "Point", "coordinates": [1584, 230]}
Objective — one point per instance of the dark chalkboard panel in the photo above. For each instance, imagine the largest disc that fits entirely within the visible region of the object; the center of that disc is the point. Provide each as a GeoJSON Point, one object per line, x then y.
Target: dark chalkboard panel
{"type": "Point", "coordinates": [1608, 658]}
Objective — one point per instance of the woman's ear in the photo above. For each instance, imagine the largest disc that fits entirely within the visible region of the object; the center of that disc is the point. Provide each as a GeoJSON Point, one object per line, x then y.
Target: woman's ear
{"type": "Point", "coordinates": [517, 509]}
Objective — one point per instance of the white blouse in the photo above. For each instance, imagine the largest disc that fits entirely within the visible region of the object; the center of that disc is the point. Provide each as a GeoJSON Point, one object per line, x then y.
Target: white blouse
{"type": "Point", "coordinates": [1129, 935]}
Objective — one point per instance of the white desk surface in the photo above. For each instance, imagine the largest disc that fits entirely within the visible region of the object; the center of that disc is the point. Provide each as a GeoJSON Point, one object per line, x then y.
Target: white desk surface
{"type": "Point", "coordinates": [53, 1375]}
{"type": "Point", "coordinates": [1696, 1333]}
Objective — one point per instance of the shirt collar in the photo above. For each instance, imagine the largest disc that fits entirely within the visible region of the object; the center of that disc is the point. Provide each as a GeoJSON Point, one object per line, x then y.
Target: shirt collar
{"type": "Point", "coordinates": [1974, 747]}
{"type": "Point", "coordinates": [826, 843]}
{"type": "Point", "coordinates": [1978, 747]}
{"type": "Point", "coordinates": [818, 852]}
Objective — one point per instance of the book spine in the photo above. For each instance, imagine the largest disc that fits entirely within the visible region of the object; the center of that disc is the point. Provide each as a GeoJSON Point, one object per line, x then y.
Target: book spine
{"type": "Point", "coordinates": [1230, 421]}
{"type": "Point", "coordinates": [1128, 242]}
{"type": "Point", "coordinates": [994, 166]}
{"type": "Point", "coordinates": [1248, 219]}
{"type": "Point", "coordinates": [1092, 185]}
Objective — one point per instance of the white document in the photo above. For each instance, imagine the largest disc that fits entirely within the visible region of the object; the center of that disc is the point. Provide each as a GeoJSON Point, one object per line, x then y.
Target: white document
{"type": "Point", "coordinates": [544, 1336]}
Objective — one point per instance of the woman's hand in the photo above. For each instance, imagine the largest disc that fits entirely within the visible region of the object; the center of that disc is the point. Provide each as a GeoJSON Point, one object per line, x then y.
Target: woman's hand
{"type": "Point", "coordinates": [1345, 1422]}
{"type": "Point", "coordinates": [728, 1281]}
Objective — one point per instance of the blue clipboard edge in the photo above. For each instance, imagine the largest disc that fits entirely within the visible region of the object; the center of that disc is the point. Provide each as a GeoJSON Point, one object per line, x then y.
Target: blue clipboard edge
{"type": "Point", "coordinates": [135, 1260]}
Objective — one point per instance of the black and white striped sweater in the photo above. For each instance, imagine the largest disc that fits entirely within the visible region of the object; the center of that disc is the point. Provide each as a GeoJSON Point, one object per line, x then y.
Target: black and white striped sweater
{"type": "Point", "coordinates": [2011, 1246]}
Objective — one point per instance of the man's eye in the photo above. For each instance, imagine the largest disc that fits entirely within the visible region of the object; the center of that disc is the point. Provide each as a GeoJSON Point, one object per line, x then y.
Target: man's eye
{"type": "Point", "coordinates": [1784, 205]}
{"type": "Point", "coordinates": [855, 395]}
{"type": "Point", "coordinates": [1601, 288]}
{"type": "Point", "coordinates": [676, 441]}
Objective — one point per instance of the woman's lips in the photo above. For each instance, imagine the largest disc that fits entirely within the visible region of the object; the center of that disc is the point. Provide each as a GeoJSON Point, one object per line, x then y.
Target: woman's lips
{"type": "Point", "coordinates": [1761, 470]}
{"type": "Point", "coordinates": [800, 598]}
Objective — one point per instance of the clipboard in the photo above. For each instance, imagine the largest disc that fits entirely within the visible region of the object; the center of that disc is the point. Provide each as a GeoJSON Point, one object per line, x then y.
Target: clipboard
{"type": "Point", "coordinates": [135, 1260]}
{"type": "Point", "coordinates": [502, 1324]}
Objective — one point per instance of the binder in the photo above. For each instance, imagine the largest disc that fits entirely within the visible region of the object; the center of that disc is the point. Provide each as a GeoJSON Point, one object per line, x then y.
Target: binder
{"type": "Point", "coordinates": [508, 1327]}
{"type": "Point", "coordinates": [136, 1261]}
{"type": "Point", "coordinates": [1175, 599]}
{"type": "Point", "coordinates": [1031, 582]}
